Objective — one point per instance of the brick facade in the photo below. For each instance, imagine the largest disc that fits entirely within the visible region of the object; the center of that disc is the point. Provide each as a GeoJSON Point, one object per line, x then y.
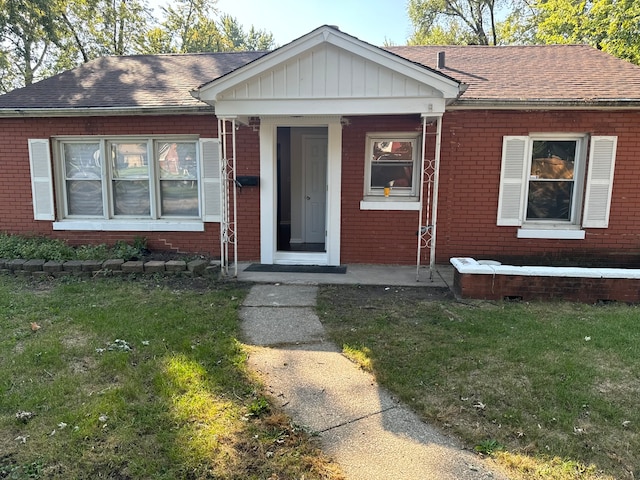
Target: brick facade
{"type": "Point", "coordinates": [468, 198]}
{"type": "Point", "coordinates": [469, 187]}
{"type": "Point", "coordinates": [527, 288]}
{"type": "Point", "coordinates": [16, 210]}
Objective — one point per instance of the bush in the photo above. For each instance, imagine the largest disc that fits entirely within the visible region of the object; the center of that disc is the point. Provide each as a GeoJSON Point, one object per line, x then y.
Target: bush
{"type": "Point", "coordinates": [17, 246]}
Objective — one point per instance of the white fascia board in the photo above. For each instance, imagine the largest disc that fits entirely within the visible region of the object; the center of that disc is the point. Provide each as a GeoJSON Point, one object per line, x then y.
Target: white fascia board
{"type": "Point", "coordinates": [209, 92]}
{"type": "Point", "coordinates": [338, 106]}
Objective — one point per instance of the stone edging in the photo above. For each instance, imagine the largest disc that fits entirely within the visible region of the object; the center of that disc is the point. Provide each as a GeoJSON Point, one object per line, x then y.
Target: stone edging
{"type": "Point", "coordinates": [112, 267]}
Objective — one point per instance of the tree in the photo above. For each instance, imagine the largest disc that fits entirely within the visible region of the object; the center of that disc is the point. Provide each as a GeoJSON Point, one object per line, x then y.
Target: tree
{"type": "Point", "coordinates": [27, 31]}
{"type": "Point", "coordinates": [189, 26]}
{"type": "Point", "coordinates": [458, 21]}
{"type": "Point", "coordinates": [105, 27]}
{"type": "Point", "coordinates": [609, 25]}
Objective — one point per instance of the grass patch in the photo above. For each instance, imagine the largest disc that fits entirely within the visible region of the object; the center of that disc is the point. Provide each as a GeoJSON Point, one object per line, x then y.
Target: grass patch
{"type": "Point", "coordinates": [136, 379]}
{"type": "Point", "coordinates": [548, 389]}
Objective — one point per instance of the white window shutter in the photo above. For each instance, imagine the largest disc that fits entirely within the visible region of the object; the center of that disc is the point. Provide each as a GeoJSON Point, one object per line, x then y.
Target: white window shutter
{"type": "Point", "coordinates": [512, 180]}
{"type": "Point", "coordinates": [210, 154]}
{"type": "Point", "coordinates": [41, 179]}
{"type": "Point", "coordinates": [602, 159]}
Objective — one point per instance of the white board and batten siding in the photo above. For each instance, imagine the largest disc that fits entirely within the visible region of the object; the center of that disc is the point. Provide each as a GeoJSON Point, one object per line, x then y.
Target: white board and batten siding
{"type": "Point", "coordinates": [599, 183]}
{"type": "Point", "coordinates": [327, 72]}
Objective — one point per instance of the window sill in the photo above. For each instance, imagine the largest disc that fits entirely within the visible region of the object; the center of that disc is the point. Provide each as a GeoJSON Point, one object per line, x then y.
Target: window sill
{"type": "Point", "coordinates": [551, 234]}
{"type": "Point", "coordinates": [130, 225]}
{"type": "Point", "coordinates": [389, 203]}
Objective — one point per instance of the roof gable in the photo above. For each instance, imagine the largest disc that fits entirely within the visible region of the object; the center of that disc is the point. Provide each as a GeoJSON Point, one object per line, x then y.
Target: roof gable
{"type": "Point", "coordinates": [327, 64]}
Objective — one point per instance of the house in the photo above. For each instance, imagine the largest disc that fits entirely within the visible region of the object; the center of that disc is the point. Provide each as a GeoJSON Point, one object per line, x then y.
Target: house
{"type": "Point", "coordinates": [331, 151]}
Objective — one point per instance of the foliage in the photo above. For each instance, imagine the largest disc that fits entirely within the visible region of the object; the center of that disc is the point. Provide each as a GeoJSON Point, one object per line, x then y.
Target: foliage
{"type": "Point", "coordinates": [45, 248]}
{"type": "Point", "coordinates": [175, 404]}
{"type": "Point", "coordinates": [454, 21]}
{"type": "Point", "coordinates": [554, 383]}
{"type": "Point", "coordinates": [39, 38]}
{"type": "Point", "coordinates": [610, 25]}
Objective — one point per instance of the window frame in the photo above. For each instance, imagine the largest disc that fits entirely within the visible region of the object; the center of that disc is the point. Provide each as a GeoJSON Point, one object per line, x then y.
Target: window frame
{"type": "Point", "coordinates": [578, 181]}
{"type": "Point", "coordinates": [398, 194]}
{"type": "Point", "coordinates": [593, 195]}
{"type": "Point", "coordinates": [107, 178]}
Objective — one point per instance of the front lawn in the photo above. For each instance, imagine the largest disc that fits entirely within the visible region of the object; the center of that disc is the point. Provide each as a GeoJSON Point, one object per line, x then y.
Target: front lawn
{"type": "Point", "coordinates": [549, 389]}
{"type": "Point", "coordinates": [120, 379]}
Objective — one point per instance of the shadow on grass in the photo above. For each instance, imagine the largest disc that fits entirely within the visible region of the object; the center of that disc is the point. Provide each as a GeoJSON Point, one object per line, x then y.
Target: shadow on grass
{"type": "Point", "coordinates": [134, 380]}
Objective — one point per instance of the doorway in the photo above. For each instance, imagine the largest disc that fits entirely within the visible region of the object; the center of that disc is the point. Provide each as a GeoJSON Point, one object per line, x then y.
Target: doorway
{"type": "Point", "coordinates": [301, 189]}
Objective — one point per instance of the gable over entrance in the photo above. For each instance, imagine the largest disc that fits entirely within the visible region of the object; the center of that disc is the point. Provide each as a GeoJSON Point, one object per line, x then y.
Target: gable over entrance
{"type": "Point", "coordinates": [328, 72]}
{"type": "Point", "coordinates": [314, 82]}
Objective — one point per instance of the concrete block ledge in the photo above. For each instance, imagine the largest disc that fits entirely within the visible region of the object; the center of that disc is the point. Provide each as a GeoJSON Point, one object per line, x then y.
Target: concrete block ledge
{"type": "Point", "coordinates": [490, 280]}
{"type": "Point", "coordinates": [472, 266]}
{"type": "Point", "coordinates": [42, 269]}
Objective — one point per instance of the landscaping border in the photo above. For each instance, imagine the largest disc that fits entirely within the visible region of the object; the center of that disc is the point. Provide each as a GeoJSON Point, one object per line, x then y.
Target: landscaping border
{"type": "Point", "coordinates": [111, 267]}
{"type": "Point", "coordinates": [491, 280]}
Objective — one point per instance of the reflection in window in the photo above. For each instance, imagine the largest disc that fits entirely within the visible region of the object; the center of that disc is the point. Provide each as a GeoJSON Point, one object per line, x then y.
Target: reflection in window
{"type": "Point", "coordinates": [140, 178]}
{"type": "Point", "coordinates": [83, 178]}
{"type": "Point", "coordinates": [130, 172]}
{"type": "Point", "coordinates": [178, 178]}
{"type": "Point", "coordinates": [391, 165]}
{"type": "Point", "coordinates": [551, 180]}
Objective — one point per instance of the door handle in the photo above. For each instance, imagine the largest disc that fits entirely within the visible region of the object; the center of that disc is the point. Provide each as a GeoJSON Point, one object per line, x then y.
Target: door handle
{"type": "Point", "coordinates": [308, 197]}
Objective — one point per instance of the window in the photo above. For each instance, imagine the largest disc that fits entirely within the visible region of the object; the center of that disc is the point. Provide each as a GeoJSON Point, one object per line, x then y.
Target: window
{"type": "Point", "coordinates": [392, 165]}
{"type": "Point", "coordinates": [552, 187]}
{"type": "Point", "coordinates": [128, 181]}
{"type": "Point", "coordinates": [543, 182]}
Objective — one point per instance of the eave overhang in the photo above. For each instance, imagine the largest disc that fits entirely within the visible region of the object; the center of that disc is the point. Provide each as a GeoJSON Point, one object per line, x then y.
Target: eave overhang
{"type": "Point", "coordinates": [103, 111]}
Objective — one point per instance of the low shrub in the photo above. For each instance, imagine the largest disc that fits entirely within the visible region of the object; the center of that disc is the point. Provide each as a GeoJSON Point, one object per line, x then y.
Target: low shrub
{"type": "Point", "coordinates": [18, 246]}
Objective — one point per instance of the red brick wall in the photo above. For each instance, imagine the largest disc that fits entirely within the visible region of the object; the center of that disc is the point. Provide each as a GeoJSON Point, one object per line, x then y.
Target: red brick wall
{"type": "Point", "coordinates": [16, 210]}
{"type": "Point", "coordinates": [587, 290]}
{"type": "Point", "coordinates": [372, 236]}
{"type": "Point", "coordinates": [469, 184]}
{"type": "Point", "coordinates": [470, 177]}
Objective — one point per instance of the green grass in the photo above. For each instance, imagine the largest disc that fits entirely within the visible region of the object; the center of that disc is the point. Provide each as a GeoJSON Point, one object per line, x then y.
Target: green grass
{"type": "Point", "coordinates": [136, 379]}
{"type": "Point", "coordinates": [549, 389]}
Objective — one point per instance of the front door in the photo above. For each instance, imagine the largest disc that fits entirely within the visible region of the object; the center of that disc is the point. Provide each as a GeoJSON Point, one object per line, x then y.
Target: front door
{"type": "Point", "coordinates": [314, 158]}
{"type": "Point", "coordinates": [300, 170]}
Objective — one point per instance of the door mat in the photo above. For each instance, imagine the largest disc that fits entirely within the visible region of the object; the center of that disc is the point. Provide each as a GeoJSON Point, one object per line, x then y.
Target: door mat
{"type": "Point", "coordinates": [259, 267]}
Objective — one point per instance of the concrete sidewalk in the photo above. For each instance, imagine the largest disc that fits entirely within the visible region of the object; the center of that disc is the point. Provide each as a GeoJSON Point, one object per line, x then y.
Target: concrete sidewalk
{"type": "Point", "coordinates": [369, 433]}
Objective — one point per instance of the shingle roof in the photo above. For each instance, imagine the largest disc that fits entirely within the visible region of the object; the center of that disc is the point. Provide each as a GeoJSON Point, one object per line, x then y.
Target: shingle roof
{"type": "Point", "coordinates": [565, 74]}
{"type": "Point", "coordinates": [144, 81]}
{"type": "Point", "coordinates": [534, 73]}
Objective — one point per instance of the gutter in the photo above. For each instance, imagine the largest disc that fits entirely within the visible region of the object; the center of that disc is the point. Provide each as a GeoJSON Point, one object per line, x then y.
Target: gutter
{"type": "Point", "coordinates": [103, 111]}
{"type": "Point", "coordinates": [544, 104]}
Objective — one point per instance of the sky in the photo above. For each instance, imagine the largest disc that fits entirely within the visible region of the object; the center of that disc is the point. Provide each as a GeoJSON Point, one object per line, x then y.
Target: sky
{"type": "Point", "coordinates": [374, 21]}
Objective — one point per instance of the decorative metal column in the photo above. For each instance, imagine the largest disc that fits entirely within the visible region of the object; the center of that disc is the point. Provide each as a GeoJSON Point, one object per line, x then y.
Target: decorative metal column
{"type": "Point", "coordinates": [431, 141]}
{"type": "Point", "coordinates": [228, 197]}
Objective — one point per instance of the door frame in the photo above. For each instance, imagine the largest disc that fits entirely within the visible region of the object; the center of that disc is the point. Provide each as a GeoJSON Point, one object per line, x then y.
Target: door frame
{"type": "Point", "coordinates": [269, 191]}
